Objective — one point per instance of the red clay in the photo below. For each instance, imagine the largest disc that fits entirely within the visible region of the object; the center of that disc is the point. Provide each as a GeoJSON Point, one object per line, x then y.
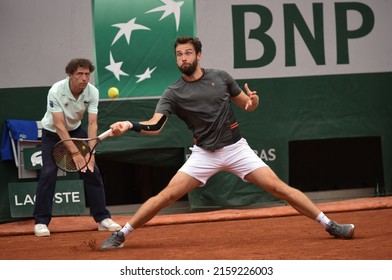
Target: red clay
{"type": "Point", "coordinates": [277, 233]}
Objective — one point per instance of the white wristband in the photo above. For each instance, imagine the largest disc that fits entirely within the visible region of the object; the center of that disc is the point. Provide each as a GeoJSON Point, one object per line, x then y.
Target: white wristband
{"type": "Point", "coordinates": [130, 125]}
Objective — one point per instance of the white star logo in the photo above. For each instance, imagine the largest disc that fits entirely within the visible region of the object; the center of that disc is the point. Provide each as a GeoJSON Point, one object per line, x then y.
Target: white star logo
{"type": "Point", "coordinates": [169, 8]}
{"type": "Point", "coordinates": [126, 30]}
{"type": "Point", "coordinates": [115, 68]}
{"type": "Point", "coordinates": [145, 75]}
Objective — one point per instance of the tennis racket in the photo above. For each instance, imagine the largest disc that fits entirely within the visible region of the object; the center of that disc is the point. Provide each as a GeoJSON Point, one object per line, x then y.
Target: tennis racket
{"type": "Point", "coordinates": [63, 156]}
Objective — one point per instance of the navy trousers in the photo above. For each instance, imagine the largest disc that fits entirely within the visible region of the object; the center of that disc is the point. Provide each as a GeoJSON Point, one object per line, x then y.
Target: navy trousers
{"type": "Point", "coordinates": [93, 183]}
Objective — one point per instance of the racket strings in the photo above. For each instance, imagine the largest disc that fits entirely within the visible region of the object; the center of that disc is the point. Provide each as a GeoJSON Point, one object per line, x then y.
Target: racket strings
{"type": "Point", "coordinates": [63, 156]}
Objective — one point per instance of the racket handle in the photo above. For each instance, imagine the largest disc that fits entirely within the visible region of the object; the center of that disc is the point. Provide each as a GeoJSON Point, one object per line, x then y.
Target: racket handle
{"type": "Point", "coordinates": [105, 135]}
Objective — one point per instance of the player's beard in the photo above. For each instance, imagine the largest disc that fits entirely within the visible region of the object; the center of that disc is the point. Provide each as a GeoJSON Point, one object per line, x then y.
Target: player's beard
{"type": "Point", "coordinates": [188, 69]}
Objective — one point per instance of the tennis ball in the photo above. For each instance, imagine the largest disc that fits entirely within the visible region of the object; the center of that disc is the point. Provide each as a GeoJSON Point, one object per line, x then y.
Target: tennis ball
{"type": "Point", "coordinates": [113, 92]}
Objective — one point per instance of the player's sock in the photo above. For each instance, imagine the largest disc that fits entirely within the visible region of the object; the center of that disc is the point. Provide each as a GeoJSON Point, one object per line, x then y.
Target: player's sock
{"type": "Point", "coordinates": [127, 229]}
{"type": "Point", "coordinates": [323, 220]}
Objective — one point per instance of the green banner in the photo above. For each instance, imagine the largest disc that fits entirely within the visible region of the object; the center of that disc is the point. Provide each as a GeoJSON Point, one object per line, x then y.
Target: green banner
{"type": "Point", "coordinates": [69, 198]}
{"type": "Point", "coordinates": [134, 44]}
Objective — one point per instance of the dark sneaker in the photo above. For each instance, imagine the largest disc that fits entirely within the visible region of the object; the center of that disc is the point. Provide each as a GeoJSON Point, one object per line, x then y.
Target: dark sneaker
{"type": "Point", "coordinates": [340, 231]}
{"type": "Point", "coordinates": [116, 240]}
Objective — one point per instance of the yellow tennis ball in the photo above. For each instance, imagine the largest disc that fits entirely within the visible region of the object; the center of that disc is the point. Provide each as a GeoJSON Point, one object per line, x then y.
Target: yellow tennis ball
{"type": "Point", "coordinates": [113, 92]}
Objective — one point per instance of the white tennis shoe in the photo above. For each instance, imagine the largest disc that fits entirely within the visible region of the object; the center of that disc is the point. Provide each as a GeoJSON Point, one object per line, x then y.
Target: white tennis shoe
{"type": "Point", "coordinates": [109, 225]}
{"type": "Point", "coordinates": [41, 230]}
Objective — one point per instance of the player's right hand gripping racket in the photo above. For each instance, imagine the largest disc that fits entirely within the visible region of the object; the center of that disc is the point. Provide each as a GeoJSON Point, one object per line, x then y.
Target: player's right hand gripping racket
{"type": "Point", "coordinates": [63, 156]}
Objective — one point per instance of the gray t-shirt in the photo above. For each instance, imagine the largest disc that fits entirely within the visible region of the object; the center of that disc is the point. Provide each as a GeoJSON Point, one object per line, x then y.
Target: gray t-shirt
{"type": "Point", "coordinates": [205, 106]}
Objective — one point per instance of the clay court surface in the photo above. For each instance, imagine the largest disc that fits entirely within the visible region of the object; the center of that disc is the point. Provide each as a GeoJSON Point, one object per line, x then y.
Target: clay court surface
{"type": "Point", "coordinates": [274, 233]}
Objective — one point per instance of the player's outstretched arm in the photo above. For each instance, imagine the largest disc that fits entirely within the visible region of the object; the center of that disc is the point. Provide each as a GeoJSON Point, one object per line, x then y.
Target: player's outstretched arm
{"type": "Point", "coordinates": [150, 127]}
{"type": "Point", "coordinates": [119, 128]}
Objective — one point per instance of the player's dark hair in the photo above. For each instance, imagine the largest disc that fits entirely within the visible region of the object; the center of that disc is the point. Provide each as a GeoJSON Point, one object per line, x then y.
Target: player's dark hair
{"type": "Point", "coordinates": [75, 63]}
{"type": "Point", "coordinates": [187, 39]}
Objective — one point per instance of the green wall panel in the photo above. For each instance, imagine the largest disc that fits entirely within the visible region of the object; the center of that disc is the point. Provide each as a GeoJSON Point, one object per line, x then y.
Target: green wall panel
{"type": "Point", "coordinates": [301, 108]}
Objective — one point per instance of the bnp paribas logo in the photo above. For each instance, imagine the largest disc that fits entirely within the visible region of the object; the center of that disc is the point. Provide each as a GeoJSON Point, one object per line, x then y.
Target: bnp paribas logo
{"type": "Point", "coordinates": [134, 43]}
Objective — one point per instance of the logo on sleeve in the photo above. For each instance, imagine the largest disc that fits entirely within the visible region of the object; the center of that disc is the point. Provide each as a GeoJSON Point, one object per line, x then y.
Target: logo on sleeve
{"type": "Point", "coordinates": [51, 104]}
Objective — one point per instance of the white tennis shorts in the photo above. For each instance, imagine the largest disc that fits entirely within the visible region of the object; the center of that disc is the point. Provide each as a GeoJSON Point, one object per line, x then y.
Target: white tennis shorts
{"type": "Point", "coordinates": [237, 158]}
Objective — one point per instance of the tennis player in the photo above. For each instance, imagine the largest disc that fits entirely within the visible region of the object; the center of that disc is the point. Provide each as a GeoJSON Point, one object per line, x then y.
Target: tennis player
{"type": "Point", "coordinates": [202, 99]}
